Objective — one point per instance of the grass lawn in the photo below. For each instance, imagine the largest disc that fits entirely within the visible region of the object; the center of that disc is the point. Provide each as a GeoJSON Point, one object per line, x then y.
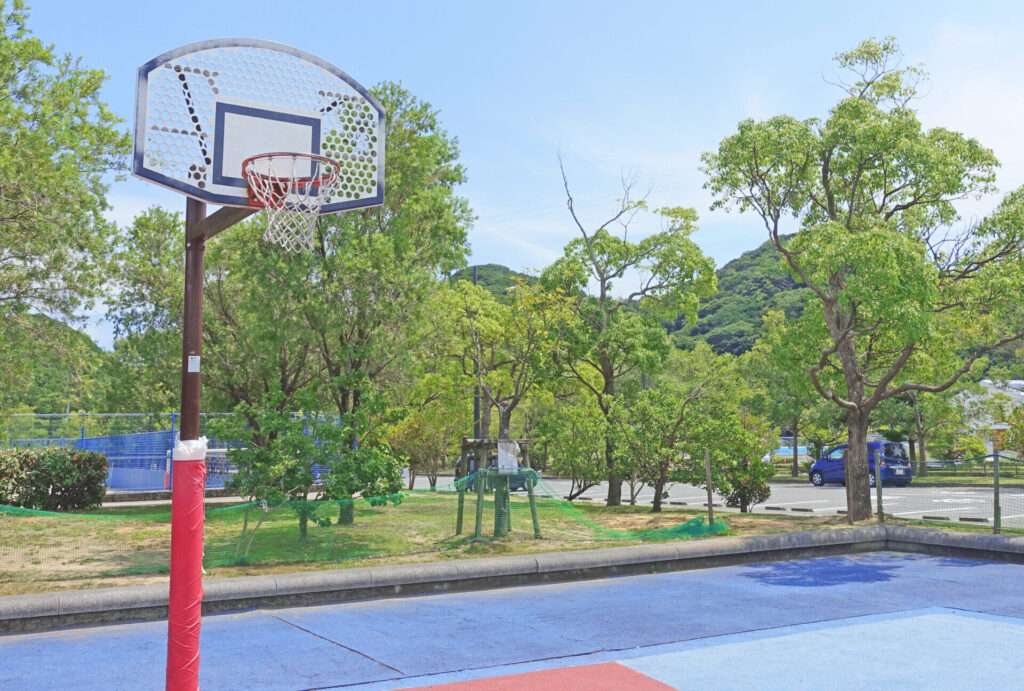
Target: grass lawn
{"type": "Point", "coordinates": [130, 545]}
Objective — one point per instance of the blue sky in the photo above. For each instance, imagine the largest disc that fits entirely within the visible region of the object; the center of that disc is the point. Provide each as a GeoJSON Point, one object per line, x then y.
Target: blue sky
{"type": "Point", "coordinates": [635, 89]}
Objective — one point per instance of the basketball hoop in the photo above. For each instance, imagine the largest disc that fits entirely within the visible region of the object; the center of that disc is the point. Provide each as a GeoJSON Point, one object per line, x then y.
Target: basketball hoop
{"type": "Point", "coordinates": [291, 187]}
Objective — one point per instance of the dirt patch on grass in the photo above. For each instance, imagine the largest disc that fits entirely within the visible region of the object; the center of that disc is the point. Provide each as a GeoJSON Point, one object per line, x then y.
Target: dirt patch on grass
{"type": "Point", "coordinates": [627, 519]}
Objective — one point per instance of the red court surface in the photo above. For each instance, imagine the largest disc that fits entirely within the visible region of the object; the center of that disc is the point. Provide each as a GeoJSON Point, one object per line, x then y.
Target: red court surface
{"type": "Point", "coordinates": [608, 676]}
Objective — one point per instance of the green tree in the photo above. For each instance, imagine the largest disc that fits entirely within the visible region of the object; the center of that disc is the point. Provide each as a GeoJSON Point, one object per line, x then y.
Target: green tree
{"type": "Point", "coordinates": [784, 393]}
{"type": "Point", "coordinates": [281, 451]}
{"type": "Point", "coordinates": [613, 334]}
{"type": "Point", "coordinates": [372, 271]}
{"type": "Point", "coordinates": [506, 349]}
{"type": "Point", "coordinates": [145, 307]}
{"type": "Point", "coordinates": [58, 141]}
{"type": "Point", "coordinates": [573, 432]}
{"type": "Point", "coordinates": [435, 412]}
{"type": "Point", "coordinates": [1014, 437]}
{"type": "Point", "coordinates": [65, 375]}
{"type": "Point", "coordinates": [872, 193]}
{"type": "Point", "coordinates": [695, 405]}
{"type": "Point", "coordinates": [748, 472]}
{"type": "Point", "coordinates": [654, 429]}
{"type": "Point", "coordinates": [254, 336]}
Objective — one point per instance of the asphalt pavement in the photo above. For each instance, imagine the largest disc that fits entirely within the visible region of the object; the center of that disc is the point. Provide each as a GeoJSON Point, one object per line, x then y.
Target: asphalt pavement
{"type": "Point", "coordinates": [880, 619]}
{"type": "Point", "coordinates": [954, 504]}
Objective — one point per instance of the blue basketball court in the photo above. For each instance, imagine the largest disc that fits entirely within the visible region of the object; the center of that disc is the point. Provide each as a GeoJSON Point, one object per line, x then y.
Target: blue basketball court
{"type": "Point", "coordinates": [882, 619]}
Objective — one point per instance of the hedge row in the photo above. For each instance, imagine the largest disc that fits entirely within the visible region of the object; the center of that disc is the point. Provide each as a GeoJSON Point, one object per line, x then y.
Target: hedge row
{"type": "Point", "coordinates": [52, 479]}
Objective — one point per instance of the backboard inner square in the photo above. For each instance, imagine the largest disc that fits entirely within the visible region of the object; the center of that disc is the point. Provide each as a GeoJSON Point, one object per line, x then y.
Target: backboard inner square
{"type": "Point", "coordinates": [249, 131]}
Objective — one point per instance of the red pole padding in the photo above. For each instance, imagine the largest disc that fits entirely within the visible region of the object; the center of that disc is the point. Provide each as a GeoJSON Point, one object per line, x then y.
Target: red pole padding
{"type": "Point", "coordinates": [184, 610]}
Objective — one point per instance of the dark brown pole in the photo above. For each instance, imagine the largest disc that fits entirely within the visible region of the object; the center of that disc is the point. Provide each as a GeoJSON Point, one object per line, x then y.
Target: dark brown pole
{"type": "Point", "coordinates": [192, 333]}
{"type": "Point", "coordinates": [184, 607]}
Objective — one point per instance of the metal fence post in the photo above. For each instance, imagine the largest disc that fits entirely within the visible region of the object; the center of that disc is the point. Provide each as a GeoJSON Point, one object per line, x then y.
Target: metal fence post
{"type": "Point", "coordinates": [878, 486]}
{"type": "Point", "coordinates": [707, 472]}
{"type": "Point", "coordinates": [997, 514]}
{"type": "Point", "coordinates": [170, 450]}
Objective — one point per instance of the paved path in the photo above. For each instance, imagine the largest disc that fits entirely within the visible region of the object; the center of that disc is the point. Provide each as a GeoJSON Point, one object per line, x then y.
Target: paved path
{"type": "Point", "coordinates": [882, 619]}
{"type": "Point", "coordinates": [954, 504]}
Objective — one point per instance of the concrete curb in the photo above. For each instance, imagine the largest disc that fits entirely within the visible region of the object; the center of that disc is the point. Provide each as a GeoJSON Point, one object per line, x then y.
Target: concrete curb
{"type": "Point", "coordinates": [46, 611]}
{"type": "Point", "coordinates": [159, 495]}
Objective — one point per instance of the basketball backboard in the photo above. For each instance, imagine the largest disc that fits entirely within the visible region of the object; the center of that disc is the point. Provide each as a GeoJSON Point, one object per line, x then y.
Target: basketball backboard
{"type": "Point", "coordinates": [204, 108]}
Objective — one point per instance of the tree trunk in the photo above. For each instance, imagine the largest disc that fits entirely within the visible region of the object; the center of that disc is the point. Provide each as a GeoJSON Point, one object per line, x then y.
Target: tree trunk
{"type": "Point", "coordinates": [659, 487]}
{"type": "Point", "coordinates": [485, 416]}
{"type": "Point", "coordinates": [922, 461]}
{"type": "Point", "coordinates": [504, 422]}
{"type": "Point", "coordinates": [912, 446]}
{"type": "Point", "coordinates": [614, 480]}
{"type": "Point", "coordinates": [796, 453]}
{"type": "Point", "coordinates": [346, 512]}
{"type": "Point", "coordinates": [607, 395]}
{"type": "Point", "coordinates": [412, 478]}
{"type": "Point", "coordinates": [858, 491]}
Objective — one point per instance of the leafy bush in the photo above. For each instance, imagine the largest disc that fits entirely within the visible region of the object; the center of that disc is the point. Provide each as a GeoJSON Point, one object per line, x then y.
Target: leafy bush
{"type": "Point", "coordinates": [749, 483]}
{"type": "Point", "coordinates": [52, 479]}
{"type": "Point", "coordinates": [287, 456]}
{"type": "Point", "coordinates": [956, 447]}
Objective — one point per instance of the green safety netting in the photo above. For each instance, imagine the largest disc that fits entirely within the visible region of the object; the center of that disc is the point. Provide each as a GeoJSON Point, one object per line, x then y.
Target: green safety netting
{"type": "Point", "coordinates": [41, 546]}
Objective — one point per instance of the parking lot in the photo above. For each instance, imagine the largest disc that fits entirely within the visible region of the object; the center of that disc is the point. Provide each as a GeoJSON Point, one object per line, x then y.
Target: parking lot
{"type": "Point", "coordinates": [955, 504]}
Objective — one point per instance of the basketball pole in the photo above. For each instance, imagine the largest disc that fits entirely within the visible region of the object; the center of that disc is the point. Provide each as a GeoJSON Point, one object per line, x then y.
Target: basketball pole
{"type": "Point", "coordinates": [178, 143]}
{"type": "Point", "coordinates": [184, 611]}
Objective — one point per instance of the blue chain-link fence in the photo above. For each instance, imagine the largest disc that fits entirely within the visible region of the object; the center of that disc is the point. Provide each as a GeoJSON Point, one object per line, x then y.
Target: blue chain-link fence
{"type": "Point", "coordinates": [137, 445]}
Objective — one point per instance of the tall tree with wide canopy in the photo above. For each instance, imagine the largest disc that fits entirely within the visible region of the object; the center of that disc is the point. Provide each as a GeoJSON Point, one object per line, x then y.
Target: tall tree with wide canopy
{"type": "Point", "coordinates": [371, 271]}
{"type": "Point", "coordinates": [621, 290]}
{"type": "Point", "coordinates": [505, 348]}
{"type": "Point", "coordinates": [872, 193]}
{"type": "Point", "coordinates": [58, 140]}
{"type": "Point", "coordinates": [785, 394]}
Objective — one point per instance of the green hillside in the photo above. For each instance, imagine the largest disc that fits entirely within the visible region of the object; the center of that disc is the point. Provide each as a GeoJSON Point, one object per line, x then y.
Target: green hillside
{"type": "Point", "coordinates": [730, 320]}
{"type": "Point", "coordinates": [748, 287]}
{"type": "Point", "coordinates": [494, 277]}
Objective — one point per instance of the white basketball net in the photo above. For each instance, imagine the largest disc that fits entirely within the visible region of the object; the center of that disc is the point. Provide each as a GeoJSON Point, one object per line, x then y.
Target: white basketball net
{"type": "Point", "coordinates": [291, 188]}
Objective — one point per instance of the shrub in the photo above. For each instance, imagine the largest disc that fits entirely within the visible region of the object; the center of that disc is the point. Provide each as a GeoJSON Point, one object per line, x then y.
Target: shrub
{"type": "Point", "coordinates": [52, 479]}
{"type": "Point", "coordinates": [749, 483]}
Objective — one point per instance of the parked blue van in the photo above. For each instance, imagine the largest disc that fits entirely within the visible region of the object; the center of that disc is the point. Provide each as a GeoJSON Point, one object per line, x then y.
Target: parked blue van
{"type": "Point", "coordinates": [895, 467]}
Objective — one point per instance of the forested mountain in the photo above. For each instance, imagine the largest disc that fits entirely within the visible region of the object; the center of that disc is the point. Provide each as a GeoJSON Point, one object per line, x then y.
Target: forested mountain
{"type": "Point", "coordinates": [748, 286]}
{"type": "Point", "coordinates": [494, 277]}
{"type": "Point", "coordinates": [730, 320]}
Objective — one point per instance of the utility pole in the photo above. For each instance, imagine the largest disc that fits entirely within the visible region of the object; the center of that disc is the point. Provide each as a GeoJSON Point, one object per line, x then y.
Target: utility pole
{"type": "Point", "coordinates": [476, 394]}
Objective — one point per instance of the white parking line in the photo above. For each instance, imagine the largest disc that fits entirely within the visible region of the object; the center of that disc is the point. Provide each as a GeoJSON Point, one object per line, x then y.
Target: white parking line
{"type": "Point", "coordinates": [816, 501]}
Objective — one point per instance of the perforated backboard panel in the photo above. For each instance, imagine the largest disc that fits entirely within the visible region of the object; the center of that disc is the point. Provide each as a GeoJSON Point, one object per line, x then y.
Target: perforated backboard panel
{"type": "Point", "coordinates": [204, 108]}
